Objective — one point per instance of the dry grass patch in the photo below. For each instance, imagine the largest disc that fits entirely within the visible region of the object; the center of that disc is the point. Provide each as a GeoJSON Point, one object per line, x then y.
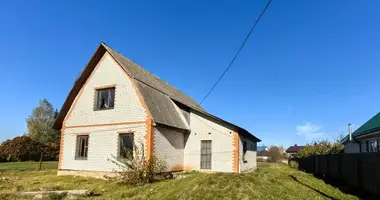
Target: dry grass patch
{"type": "Point", "coordinates": [270, 181]}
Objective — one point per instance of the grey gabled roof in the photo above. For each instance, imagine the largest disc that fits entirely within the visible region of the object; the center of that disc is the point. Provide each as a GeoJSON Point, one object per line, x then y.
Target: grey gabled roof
{"type": "Point", "coordinates": [161, 107]}
{"type": "Point", "coordinates": [160, 97]}
{"type": "Point", "coordinates": [142, 75]}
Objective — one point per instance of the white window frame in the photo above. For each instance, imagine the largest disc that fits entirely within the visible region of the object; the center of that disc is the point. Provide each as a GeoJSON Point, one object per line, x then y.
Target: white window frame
{"type": "Point", "coordinates": [373, 145]}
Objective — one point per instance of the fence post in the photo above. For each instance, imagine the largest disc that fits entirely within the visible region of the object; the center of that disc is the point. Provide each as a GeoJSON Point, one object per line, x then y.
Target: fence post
{"type": "Point", "coordinates": [340, 167]}
{"type": "Point", "coordinates": [359, 171]}
{"type": "Point", "coordinates": [39, 168]}
{"type": "Point", "coordinates": [312, 165]}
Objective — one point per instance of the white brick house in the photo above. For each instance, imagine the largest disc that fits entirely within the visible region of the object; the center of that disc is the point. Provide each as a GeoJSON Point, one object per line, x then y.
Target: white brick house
{"type": "Point", "coordinates": [115, 101]}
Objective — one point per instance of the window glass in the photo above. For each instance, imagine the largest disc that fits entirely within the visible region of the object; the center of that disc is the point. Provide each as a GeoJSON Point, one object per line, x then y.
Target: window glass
{"type": "Point", "coordinates": [126, 145]}
{"type": "Point", "coordinates": [105, 98]}
{"type": "Point", "coordinates": [372, 146]}
{"type": "Point", "coordinates": [81, 147]}
{"type": "Point", "coordinates": [206, 154]}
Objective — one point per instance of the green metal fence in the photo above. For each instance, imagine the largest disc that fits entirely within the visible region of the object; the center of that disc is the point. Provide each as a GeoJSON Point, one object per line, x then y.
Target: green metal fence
{"type": "Point", "coordinates": [359, 170]}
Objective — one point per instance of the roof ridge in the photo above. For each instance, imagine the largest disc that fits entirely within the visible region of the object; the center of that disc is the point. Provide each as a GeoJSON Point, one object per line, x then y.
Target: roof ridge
{"type": "Point", "coordinates": [108, 48]}
{"type": "Point", "coordinates": [138, 66]}
{"type": "Point", "coordinates": [367, 123]}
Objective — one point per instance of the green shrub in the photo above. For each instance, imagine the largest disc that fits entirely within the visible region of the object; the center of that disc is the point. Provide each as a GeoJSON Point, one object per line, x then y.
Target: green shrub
{"type": "Point", "coordinates": [293, 164]}
{"type": "Point", "coordinates": [3, 159]}
{"type": "Point", "coordinates": [275, 154]}
{"type": "Point", "coordinates": [136, 169]}
{"type": "Point", "coordinates": [321, 148]}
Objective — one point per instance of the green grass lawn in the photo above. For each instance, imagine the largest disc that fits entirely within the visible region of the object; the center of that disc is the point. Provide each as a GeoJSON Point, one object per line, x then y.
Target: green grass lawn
{"type": "Point", "coordinates": [270, 181]}
{"type": "Point", "coordinates": [28, 165]}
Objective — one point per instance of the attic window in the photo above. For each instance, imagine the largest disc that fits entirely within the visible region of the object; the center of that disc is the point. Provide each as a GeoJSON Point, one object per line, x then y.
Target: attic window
{"type": "Point", "coordinates": [105, 98]}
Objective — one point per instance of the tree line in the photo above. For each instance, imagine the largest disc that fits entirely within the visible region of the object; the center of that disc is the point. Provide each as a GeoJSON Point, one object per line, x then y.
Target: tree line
{"type": "Point", "coordinates": [40, 140]}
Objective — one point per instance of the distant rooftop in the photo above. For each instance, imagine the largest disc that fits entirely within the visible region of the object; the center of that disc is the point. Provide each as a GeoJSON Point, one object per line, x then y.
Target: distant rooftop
{"type": "Point", "coordinates": [294, 149]}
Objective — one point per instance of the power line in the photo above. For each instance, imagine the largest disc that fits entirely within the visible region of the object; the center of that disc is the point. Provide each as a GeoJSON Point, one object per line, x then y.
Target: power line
{"type": "Point", "coordinates": [237, 53]}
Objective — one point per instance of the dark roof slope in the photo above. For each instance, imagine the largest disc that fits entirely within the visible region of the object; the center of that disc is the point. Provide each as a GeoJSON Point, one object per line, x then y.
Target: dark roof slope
{"type": "Point", "coordinates": [294, 149]}
{"type": "Point", "coordinates": [370, 126]}
{"type": "Point", "coordinates": [161, 107]}
{"type": "Point", "coordinates": [139, 73]}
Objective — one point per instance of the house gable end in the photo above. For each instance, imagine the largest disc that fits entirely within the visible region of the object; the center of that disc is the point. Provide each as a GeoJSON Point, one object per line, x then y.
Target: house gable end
{"type": "Point", "coordinates": [128, 106]}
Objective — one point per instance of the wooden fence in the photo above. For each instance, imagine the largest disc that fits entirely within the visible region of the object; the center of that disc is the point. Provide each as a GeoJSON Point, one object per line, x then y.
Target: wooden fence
{"type": "Point", "coordinates": [359, 170]}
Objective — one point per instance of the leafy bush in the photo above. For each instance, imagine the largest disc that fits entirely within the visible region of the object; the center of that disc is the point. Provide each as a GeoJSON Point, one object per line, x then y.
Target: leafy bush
{"type": "Point", "coordinates": [136, 169]}
{"type": "Point", "coordinates": [320, 148]}
{"type": "Point", "coordinates": [51, 151]}
{"type": "Point", "coordinates": [275, 154]}
{"type": "Point", "coordinates": [25, 149]}
{"type": "Point", "coordinates": [293, 164]}
{"type": "Point", "coordinates": [3, 159]}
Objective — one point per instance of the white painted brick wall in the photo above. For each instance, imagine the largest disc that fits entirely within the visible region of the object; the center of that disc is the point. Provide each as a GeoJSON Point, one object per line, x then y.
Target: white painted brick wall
{"type": "Point", "coordinates": [250, 156]}
{"type": "Point", "coordinates": [103, 145]}
{"type": "Point", "coordinates": [222, 144]}
{"type": "Point", "coordinates": [127, 104]}
{"type": "Point", "coordinates": [169, 146]}
{"type": "Point", "coordinates": [103, 141]}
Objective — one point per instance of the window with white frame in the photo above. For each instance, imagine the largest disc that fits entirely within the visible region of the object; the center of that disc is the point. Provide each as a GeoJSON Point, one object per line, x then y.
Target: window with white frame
{"type": "Point", "coordinates": [372, 146]}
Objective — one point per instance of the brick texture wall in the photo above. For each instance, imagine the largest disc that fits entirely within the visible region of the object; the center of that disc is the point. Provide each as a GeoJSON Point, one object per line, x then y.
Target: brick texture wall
{"type": "Point", "coordinates": [222, 144]}
{"type": "Point", "coordinates": [103, 140]}
{"type": "Point", "coordinates": [127, 105]}
{"type": "Point", "coordinates": [169, 146]}
{"type": "Point", "coordinates": [103, 145]}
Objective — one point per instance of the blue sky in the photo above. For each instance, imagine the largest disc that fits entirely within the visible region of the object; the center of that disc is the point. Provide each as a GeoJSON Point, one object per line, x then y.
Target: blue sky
{"type": "Point", "coordinates": [309, 68]}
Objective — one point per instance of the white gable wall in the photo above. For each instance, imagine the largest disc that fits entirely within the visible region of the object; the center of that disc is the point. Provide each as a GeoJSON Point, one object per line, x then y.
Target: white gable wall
{"type": "Point", "coordinates": [203, 128]}
{"type": "Point", "coordinates": [102, 126]}
{"type": "Point", "coordinates": [248, 161]}
{"type": "Point", "coordinates": [127, 104]}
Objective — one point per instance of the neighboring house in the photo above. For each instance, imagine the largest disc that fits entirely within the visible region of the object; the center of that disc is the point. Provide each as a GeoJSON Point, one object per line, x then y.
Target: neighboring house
{"type": "Point", "coordinates": [115, 102]}
{"type": "Point", "coordinates": [293, 150]}
{"type": "Point", "coordinates": [263, 154]}
{"type": "Point", "coordinates": [365, 139]}
{"type": "Point", "coordinates": [262, 148]}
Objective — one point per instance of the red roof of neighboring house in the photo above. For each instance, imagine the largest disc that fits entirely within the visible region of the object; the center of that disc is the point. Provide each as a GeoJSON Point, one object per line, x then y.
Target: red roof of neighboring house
{"type": "Point", "coordinates": [263, 153]}
{"type": "Point", "coordinates": [294, 149]}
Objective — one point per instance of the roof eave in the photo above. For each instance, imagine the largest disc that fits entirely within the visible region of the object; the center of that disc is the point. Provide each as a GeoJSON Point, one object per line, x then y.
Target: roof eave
{"type": "Point", "coordinates": [238, 129]}
{"type": "Point", "coordinates": [78, 84]}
